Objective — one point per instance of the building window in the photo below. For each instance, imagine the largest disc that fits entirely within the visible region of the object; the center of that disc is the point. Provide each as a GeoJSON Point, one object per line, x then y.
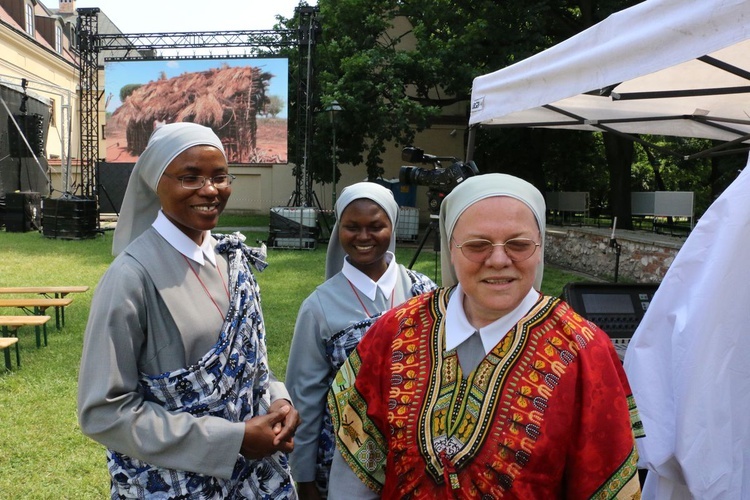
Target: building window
{"type": "Point", "coordinates": [58, 39]}
{"type": "Point", "coordinates": [29, 19]}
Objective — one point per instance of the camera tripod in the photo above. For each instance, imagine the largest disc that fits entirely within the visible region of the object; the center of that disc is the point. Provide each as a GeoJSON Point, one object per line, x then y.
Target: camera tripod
{"type": "Point", "coordinates": [432, 227]}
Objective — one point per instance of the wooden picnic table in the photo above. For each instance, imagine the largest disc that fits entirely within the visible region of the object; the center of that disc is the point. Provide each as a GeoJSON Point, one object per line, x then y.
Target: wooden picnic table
{"type": "Point", "coordinates": [36, 306]}
{"type": "Point", "coordinates": [57, 291]}
{"type": "Point", "coordinates": [10, 325]}
{"type": "Point", "coordinates": [5, 343]}
{"type": "Point", "coordinates": [61, 290]}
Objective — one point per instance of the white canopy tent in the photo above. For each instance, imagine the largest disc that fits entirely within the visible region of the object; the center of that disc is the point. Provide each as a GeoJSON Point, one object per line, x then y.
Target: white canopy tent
{"type": "Point", "coordinates": [675, 68]}
{"type": "Point", "coordinates": [663, 67]}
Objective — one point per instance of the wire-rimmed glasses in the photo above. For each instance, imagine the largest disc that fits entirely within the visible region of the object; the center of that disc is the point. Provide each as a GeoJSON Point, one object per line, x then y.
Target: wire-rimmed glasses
{"type": "Point", "coordinates": [220, 181]}
{"type": "Point", "coordinates": [479, 250]}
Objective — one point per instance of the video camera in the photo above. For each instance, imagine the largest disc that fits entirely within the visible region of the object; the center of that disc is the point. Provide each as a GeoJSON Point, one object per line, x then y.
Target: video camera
{"type": "Point", "coordinates": [439, 181]}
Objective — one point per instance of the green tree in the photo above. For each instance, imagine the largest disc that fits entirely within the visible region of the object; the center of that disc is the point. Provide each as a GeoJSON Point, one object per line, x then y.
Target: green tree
{"type": "Point", "coordinates": [274, 106]}
{"type": "Point", "coordinates": [657, 168]}
{"type": "Point", "coordinates": [128, 89]}
{"type": "Point", "coordinates": [393, 78]}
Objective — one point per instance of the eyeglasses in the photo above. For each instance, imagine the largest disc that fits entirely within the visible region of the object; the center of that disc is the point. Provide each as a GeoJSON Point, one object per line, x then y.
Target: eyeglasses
{"type": "Point", "coordinates": [517, 249]}
{"type": "Point", "coordinates": [198, 181]}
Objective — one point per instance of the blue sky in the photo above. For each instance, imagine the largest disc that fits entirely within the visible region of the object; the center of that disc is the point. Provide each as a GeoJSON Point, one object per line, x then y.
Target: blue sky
{"type": "Point", "coordinates": [118, 74]}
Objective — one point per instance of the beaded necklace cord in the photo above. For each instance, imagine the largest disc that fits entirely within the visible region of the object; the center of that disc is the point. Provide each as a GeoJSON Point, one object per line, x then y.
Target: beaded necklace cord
{"type": "Point", "coordinates": [393, 293]}
{"type": "Point", "coordinates": [205, 288]}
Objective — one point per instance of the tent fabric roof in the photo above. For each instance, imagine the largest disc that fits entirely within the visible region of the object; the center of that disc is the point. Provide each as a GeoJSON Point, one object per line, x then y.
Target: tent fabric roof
{"type": "Point", "coordinates": [662, 67]}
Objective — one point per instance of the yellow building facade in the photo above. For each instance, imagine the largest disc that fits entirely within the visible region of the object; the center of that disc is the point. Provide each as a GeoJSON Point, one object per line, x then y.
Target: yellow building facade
{"type": "Point", "coordinates": [38, 82]}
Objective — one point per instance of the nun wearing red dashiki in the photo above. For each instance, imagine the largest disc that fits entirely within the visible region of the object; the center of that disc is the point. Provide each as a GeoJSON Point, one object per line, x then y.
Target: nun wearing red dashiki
{"type": "Point", "coordinates": [485, 388]}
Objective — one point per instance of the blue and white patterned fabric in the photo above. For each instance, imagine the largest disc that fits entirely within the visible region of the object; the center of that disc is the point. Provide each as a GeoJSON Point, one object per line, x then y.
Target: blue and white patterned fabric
{"type": "Point", "coordinates": [338, 349]}
{"type": "Point", "coordinates": [231, 382]}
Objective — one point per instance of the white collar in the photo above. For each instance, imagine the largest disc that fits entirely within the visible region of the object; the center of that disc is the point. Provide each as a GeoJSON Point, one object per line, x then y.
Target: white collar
{"type": "Point", "coordinates": [458, 328]}
{"type": "Point", "coordinates": [364, 284]}
{"type": "Point", "coordinates": [182, 243]}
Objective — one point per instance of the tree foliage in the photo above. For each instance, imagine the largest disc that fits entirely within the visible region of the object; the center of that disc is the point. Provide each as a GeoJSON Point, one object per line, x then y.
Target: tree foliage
{"type": "Point", "coordinates": [393, 78]}
{"type": "Point", "coordinates": [128, 89]}
{"type": "Point", "coordinates": [655, 170]}
{"type": "Point", "coordinates": [274, 106]}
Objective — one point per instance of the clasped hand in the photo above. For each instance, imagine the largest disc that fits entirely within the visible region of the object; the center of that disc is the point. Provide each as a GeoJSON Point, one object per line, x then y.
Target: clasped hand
{"type": "Point", "coordinates": [272, 432]}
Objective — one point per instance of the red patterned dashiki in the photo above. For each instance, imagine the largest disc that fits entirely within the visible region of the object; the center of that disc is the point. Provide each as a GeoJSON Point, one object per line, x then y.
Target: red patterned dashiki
{"type": "Point", "coordinates": [547, 414]}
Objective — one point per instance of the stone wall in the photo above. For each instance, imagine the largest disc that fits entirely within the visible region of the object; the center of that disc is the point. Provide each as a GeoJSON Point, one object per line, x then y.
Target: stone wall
{"type": "Point", "coordinates": [644, 258]}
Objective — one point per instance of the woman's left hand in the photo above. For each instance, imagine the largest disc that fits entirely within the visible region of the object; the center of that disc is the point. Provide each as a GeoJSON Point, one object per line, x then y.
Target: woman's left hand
{"type": "Point", "coordinates": [286, 428]}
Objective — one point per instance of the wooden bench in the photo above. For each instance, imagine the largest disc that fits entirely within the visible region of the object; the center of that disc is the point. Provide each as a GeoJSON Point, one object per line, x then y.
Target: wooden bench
{"type": "Point", "coordinates": [57, 292]}
{"type": "Point", "coordinates": [36, 307]}
{"type": "Point", "coordinates": [5, 343]}
{"type": "Point", "coordinates": [10, 325]}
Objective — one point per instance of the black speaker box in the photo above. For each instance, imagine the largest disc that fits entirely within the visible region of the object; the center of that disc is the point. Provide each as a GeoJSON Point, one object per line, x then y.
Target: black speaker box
{"type": "Point", "coordinates": [32, 127]}
{"type": "Point", "coordinates": [23, 211]}
{"type": "Point", "coordinates": [69, 219]}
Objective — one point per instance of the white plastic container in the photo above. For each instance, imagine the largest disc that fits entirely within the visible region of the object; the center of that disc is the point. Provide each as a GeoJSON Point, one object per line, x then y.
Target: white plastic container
{"type": "Point", "coordinates": [301, 215]}
{"type": "Point", "coordinates": [295, 243]}
{"type": "Point", "coordinates": [408, 224]}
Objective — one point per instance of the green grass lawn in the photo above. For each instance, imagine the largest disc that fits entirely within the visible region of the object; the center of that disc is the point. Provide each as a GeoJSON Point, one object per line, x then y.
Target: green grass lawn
{"type": "Point", "coordinates": [42, 452]}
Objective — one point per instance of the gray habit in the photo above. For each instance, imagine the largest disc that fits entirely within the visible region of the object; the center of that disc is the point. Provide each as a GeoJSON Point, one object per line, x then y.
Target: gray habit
{"type": "Point", "coordinates": [155, 318]}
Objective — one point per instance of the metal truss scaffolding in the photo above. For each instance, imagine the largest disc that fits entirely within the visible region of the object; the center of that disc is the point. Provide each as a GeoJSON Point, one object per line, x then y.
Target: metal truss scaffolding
{"type": "Point", "coordinates": [88, 26]}
{"type": "Point", "coordinates": [309, 30]}
{"type": "Point", "coordinates": [144, 46]}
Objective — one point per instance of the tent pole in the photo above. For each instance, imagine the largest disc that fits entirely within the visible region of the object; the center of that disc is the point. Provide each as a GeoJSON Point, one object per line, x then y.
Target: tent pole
{"type": "Point", "coordinates": [470, 143]}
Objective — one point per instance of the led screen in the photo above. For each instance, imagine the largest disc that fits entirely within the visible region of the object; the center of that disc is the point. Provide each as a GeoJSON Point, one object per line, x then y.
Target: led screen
{"type": "Point", "coordinates": [243, 100]}
{"type": "Point", "coordinates": [608, 303]}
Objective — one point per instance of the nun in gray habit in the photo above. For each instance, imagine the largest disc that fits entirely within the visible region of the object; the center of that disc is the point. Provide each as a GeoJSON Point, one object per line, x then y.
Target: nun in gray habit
{"type": "Point", "coordinates": [174, 365]}
{"type": "Point", "coordinates": [330, 323]}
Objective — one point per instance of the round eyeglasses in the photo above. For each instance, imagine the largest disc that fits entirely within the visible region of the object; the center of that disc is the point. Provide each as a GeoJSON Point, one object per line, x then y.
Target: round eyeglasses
{"type": "Point", "coordinates": [479, 250]}
{"type": "Point", "coordinates": [198, 181]}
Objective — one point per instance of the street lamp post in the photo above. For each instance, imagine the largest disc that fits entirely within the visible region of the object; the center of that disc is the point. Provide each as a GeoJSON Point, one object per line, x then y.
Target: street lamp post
{"type": "Point", "coordinates": [333, 108]}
